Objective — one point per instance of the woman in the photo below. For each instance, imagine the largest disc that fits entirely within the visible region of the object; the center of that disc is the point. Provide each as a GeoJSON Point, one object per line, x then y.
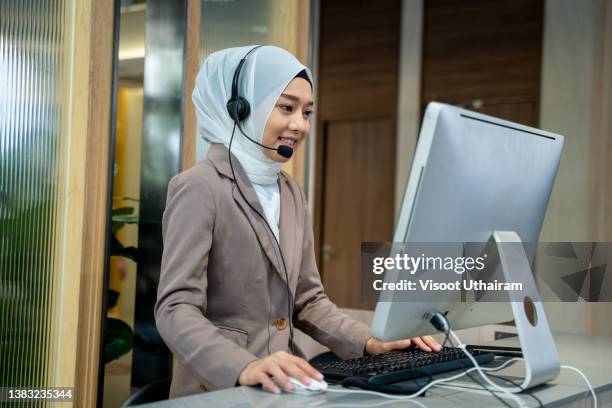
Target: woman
{"type": "Point", "coordinates": [238, 265]}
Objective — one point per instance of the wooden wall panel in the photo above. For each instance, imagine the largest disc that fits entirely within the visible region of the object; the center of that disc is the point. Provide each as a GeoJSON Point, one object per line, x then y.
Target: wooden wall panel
{"type": "Point", "coordinates": [358, 59]}
{"type": "Point", "coordinates": [482, 52]}
{"type": "Point", "coordinates": [576, 102]}
{"type": "Point", "coordinates": [87, 133]}
{"type": "Point", "coordinates": [192, 65]}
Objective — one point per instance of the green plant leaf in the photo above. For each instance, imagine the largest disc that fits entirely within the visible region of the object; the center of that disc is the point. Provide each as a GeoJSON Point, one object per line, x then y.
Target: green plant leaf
{"type": "Point", "coordinates": [126, 218]}
{"type": "Point", "coordinates": [117, 340]}
{"type": "Point", "coordinates": [121, 216]}
{"type": "Point", "coordinates": [122, 211]}
{"type": "Point", "coordinates": [116, 226]}
{"type": "Point", "coordinates": [126, 199]}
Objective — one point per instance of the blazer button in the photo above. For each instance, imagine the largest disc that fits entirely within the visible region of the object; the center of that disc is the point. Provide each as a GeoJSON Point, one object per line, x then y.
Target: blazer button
{"type": "Point", "coordinates": [281, 324]}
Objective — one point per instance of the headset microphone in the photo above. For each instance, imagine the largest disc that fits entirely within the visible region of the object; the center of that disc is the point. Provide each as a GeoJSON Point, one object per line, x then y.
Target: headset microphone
{"type": "Point", "coordinates": [285, 151]}
{"type": "Point", "coordinates": [282, 150]}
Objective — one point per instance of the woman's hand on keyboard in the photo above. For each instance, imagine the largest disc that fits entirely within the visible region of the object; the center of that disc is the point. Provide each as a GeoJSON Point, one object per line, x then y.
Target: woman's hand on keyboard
{"type": "Point", "coordinates": [425, 343]}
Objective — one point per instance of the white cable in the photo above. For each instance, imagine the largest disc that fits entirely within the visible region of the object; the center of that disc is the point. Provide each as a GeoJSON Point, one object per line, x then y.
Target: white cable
{"type": "Point", "coordinates": [505, 390]}
{"type": "Point", "coordinates": [584, 377]}
{"type": "Point", "coordinates": [426, 387]}
{"type": "Point", "coordinates": [586, 380]}
{"type": "Point", "coordinates": [481, 372]}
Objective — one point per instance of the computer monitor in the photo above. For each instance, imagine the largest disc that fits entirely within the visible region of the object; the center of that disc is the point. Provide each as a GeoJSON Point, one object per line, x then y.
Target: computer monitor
{"type": "Point", "coordinates": [472, 174]}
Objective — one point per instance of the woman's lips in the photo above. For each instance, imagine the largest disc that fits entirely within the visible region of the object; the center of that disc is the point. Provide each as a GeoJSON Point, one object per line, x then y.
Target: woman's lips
{"type": "Point", "coordinates": [287, 141]}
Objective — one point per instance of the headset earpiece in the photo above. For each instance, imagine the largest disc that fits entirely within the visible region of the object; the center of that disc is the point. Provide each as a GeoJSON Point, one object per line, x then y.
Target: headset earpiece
{"type": "Point", "coordinates": [238, 108]}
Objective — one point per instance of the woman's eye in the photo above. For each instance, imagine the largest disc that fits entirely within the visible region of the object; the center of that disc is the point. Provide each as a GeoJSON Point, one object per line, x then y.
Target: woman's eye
{"type": "Point", "coordinates": [308, 114]}
{"type": "Point", "coordinates": [286, 108]}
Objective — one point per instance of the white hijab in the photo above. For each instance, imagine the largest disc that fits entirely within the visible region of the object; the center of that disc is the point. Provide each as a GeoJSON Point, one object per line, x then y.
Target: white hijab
{"type": "Point", "coordinates": [264, 75]}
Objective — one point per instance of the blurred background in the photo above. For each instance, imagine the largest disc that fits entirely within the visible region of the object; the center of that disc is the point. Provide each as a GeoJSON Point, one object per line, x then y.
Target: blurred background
{"type": "Point", "coordinates": [79, 271]}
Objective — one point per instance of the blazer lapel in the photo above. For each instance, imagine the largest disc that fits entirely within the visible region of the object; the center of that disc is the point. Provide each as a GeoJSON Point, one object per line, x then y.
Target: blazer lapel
{"type": "Point", "coordinates": [290, 230]}
{"type": "Point", "coordinates": [219, 156]}
{"type": "Point", "coordinates": [264, 235]}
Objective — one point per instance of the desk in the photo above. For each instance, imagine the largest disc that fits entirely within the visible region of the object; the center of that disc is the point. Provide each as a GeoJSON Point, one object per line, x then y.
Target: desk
{"type": "Point", "coordinates": [592, 355]}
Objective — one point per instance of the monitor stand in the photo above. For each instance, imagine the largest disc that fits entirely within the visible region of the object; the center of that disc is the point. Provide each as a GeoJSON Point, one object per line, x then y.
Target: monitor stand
{"type": "Point", "coordinates": [539, 351]}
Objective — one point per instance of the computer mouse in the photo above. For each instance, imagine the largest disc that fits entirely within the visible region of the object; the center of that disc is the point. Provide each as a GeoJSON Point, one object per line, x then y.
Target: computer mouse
{"type": "Point", "coordinates": [315, 387]}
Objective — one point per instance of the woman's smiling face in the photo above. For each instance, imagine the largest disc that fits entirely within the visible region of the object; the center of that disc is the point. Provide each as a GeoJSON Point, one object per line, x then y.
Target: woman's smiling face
{"type": "Point", "coordinates": [289, 121]}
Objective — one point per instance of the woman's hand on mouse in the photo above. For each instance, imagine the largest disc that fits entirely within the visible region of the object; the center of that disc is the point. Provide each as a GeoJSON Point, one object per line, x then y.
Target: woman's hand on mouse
{"type": "Point", "coordinates": [426, 343]}
{"type": "Point", "coordinates": [279, 365]}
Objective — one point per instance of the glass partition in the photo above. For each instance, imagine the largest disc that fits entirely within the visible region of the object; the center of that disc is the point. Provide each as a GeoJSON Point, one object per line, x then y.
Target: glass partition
{"type": "Point", "coordinates": [33, 179]}
{"type": "Point", "coordinates": [125, 212]}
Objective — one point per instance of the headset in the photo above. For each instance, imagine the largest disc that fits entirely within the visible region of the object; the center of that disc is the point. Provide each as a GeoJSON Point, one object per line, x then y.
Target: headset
{"type": "Point", "coordinates": [239, 109]}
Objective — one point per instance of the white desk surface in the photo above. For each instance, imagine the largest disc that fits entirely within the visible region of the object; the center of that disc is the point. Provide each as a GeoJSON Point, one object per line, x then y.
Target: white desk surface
{"type": "Point", "coordinates": [592, 355]}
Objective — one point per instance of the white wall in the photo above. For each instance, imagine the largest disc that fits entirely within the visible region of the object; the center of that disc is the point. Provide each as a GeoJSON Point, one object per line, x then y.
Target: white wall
{"type": "Point", "coordinates": [566, 108]}
{"type": "Point", "coordinates": [575, 102]}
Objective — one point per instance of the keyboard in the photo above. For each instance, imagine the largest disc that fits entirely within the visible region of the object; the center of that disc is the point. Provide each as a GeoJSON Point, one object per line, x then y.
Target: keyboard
{"type": "Point", "coordinates": [396, 365]}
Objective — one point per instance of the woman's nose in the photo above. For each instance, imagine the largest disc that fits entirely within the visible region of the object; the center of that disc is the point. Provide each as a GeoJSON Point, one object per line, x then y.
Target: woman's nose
{"type": "Point", "coordinates": [298, 123]}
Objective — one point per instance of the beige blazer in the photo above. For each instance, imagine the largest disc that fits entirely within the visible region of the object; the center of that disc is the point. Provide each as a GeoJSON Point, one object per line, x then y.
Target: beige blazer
{"type": "Point", "coordinates": [222, 297]}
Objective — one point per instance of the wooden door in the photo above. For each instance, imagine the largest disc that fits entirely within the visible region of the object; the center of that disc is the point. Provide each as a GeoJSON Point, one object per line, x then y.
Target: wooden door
{"type": "Point", "coordinates": [359, 177]}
